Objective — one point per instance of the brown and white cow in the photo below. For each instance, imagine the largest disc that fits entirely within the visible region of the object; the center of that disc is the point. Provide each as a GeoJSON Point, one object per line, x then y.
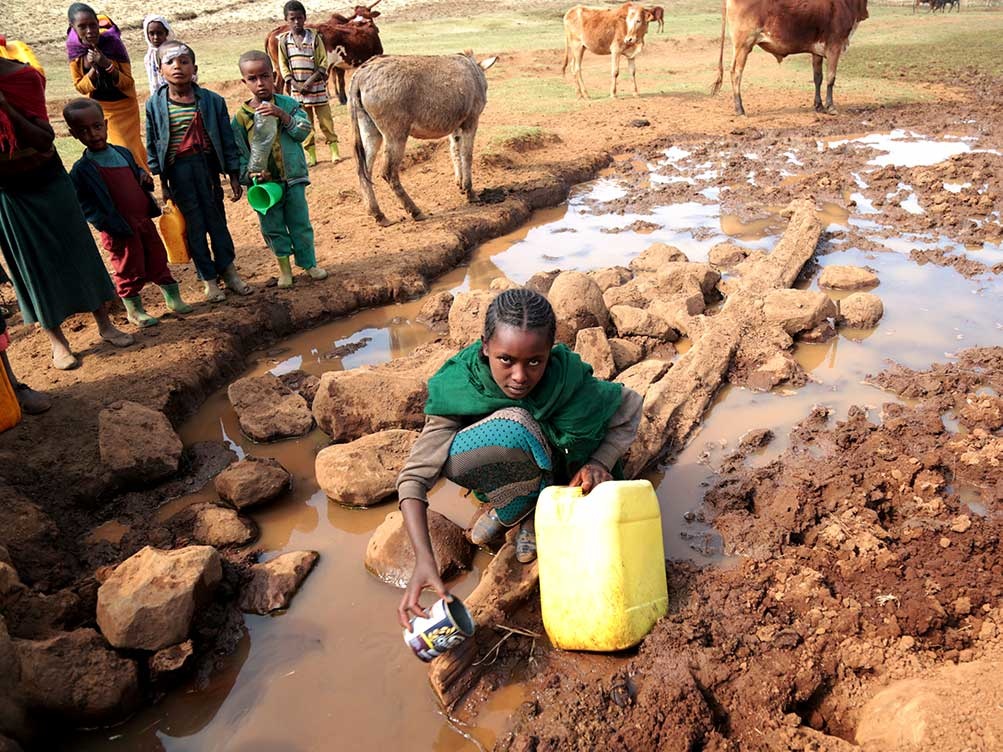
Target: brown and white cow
{"type": "Point", "coordinates": [821, 28]}
{"type": "Point", "coordinates": [615, 32]}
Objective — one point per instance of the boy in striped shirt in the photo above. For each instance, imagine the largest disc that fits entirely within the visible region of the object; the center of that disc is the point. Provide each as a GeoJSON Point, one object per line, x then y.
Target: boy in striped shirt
{"type": "Point", "coordinates": [303, 66]}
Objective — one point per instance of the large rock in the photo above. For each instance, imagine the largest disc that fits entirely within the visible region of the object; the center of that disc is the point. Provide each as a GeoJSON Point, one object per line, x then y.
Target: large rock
{"type": "Point", "coordinates": [861, 310]}
{"type": "Point", "coordinates": [798, 310]}
{"type": "Point", "coordinates": [656, 257]}
{"type": "Point", "coordinates": [78, 678]}
{"type": "Point", "coordinates": [693, 283]}
{"type": "Point", "coordinates": [138, 444]}
{"type": "Point", "coordinates": [29, 537]}
{"type": "Point", "coordinates": [273, 583]}
{"type": "Point", "coordinates": [779, 368]}
{"type": "Point", "coordinates": [625, 353]}
{"type": "Point", "coordinates": [726, 255]}
{"type": "Point", "coordinates": [578, 304]}
{"type": "Point", "coordinates": [636, 322]}
{"type": "Point", "coordinates": [150, 599]}
{"type": "Point", "coordinates": [434, 312]}
{"type": "Point", "coordinates": [221, 527]}
{"type": "Point", "coordinates": [390, 556]}
{"type": "Point", "coordinates": [847, 278]}
{"type": "Point", "coordinates": [355, 403]}
{"type": "Point", "coordinates": [542, 281]}
{"type": "Point", "coordinates": [641, 376]}
{"type": "Point", "coordinates": [466, 316]}
{"type": "Point", "coordinates": [303, 383]}
{"type": "Point", "coordinates": [364, 472]}
{"type": "Point", "coordinates": [268, 410]}
{"type": "Point", "coordinates": [950, 709]}
{"type": "Point", "coordinates": [252, 481]}
{"type": "Point", "coordinates": [593, 347]}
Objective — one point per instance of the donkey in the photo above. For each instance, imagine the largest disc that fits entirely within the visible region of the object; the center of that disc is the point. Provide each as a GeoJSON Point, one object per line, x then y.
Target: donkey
{"type": "Point", "coordinates": [424, 96]}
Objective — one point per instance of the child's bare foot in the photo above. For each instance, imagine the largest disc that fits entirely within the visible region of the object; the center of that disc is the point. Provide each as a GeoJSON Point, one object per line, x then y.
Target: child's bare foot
{"type": "Point", "coordinates": [316, 272]}
{"type": "Point", "coordinates": [213, 292]}
{"type": "Point", "coordinates": [234, 282]}
{"type": "Point", "coordinates": [114, 336]}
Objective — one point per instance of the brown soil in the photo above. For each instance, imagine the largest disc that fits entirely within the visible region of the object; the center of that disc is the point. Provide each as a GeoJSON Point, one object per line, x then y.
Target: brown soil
{"type": "Point", "coordinates": [856, 564]}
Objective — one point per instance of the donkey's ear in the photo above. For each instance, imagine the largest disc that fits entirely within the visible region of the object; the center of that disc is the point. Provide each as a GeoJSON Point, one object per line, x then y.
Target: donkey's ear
{"type": "Point", "coordinates": [485, 64]}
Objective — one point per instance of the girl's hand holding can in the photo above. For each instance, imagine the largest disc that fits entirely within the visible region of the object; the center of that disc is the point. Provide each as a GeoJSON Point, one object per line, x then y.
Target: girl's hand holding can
{"type": "Point", "coordinates": [425, 574]}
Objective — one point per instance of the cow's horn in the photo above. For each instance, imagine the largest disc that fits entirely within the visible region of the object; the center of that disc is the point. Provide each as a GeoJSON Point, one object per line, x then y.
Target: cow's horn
{"type": "Point", "coordinates": [374, 4]}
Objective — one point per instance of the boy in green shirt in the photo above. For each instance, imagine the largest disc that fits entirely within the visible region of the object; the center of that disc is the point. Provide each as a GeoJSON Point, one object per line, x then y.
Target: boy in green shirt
{"type": "Point", "coordinates": [286, 226]}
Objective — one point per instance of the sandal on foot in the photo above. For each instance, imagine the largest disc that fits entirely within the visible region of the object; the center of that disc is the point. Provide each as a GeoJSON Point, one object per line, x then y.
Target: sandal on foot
{"type": "Point", "coordinates": [65, 362]}
{"type": "Point", "coordinates": [118, 339]}
{"type": "Point", "coordinates": [486, 528]}
{"type": "Point", "coordinates": [32, 402]}
{"type": "Point", "coordinates": [525, 545]}
{"type": "Point", "coordinates": [213, 292]}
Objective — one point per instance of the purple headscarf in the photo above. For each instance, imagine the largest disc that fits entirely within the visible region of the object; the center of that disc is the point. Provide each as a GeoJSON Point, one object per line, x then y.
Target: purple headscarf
{"type": "Point", "coordinates": [109, 42]}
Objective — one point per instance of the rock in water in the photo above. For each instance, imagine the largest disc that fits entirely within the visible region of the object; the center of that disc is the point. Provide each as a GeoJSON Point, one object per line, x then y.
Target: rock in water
{"type": "Point", "coordinates": [847, 278]}
{"type": "Point", "coordinates": [274, 583]}
{"type": "Point", "coordinates": [138, 444]}
{"type": "Point", "coordinates": [76, 676]}
{"type": "Point", "coordinates": [269, 410]}
{"type": "Point", "coordinates": [390, 556]}
{"type": "Point", "coordinates": [252, 481]}
{"type": "Point", "coordinates": [364, 472]}
{"type": "Point", "coordinates": [150, 599]}
{"type": "Point", "coordinates": [631, 321]}
{"type": "Point", "coordinates": [862, 310]}
{"type": "Point", "coordinates": [655, 257]}
{"type": "Point", "coordinates": [726, 255]}
{"type": "Point", "coordinates": [593, 347]}
{"type": "Point", "coordinates": [612, 277]}
{"type": "Point", "coordinates": [222, 526]}
{"type": "Point", "coordinates": [170, 660]}
{"type": "Point", "coordinates": [578, 304]}
{"type": "Point", "coordinates": [798, 310]}
{"type": "Point", "coordinates": [466, 316]}
{"type": "Point", "coordinates": [434, 311]}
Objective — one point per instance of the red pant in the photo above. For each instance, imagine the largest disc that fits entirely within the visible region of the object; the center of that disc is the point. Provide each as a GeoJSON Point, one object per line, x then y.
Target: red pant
{"type": "Point", "coordinates": [138, 259]}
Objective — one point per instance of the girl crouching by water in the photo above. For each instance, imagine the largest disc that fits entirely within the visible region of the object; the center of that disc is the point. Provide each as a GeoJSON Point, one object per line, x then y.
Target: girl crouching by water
{"type": "Point", "coordinates": [506, 417]}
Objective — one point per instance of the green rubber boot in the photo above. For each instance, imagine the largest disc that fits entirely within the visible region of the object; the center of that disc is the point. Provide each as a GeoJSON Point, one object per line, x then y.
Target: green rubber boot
{"type": "Point", "coordinates": [285, 271]}
{"type": "Point", "coordinates": [311, 156]}
{"type": "Point", "coordinates": [335, 154]}
{"type": "Point", "coordinates": [135, 313]}
{"type": "Point", "coordinates": [172, 297]}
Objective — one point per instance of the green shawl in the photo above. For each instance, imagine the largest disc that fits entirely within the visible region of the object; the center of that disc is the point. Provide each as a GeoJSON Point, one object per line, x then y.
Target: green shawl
{"type": "Point", "coordinates": [572, 407]}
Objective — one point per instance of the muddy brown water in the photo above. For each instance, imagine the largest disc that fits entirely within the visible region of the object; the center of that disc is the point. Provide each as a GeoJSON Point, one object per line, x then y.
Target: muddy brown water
{"type": "Point", "coordinates": [332, 672]}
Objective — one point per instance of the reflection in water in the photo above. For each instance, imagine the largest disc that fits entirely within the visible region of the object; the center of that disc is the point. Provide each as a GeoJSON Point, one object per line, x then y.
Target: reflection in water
{"type": "Point", "coordinates": [332, 672]}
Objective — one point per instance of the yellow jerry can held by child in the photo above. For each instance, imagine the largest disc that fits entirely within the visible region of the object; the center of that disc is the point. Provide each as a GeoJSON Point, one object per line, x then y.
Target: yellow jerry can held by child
{"type": "Point", "coordinates": [602, 564]}
{"type": "Point", "coordinates": [172, 230]}
{"type": "Point", "coordinates": [10, 408]}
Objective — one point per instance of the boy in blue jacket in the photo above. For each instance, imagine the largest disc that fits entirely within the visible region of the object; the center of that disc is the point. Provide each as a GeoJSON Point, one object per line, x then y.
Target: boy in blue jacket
{"type": "Point", "coordinates": [286, 226]}
{"type": "Point", "coordinates": [114, 194]}
{"type": "Point", "coordinates": [189, 144]}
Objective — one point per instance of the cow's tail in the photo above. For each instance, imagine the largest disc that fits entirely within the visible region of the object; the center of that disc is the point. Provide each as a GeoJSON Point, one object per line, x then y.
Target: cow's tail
{"type": "Point", "coordinates": [716, 86]}
{"type": "Point", "coordinates": [356, 111]}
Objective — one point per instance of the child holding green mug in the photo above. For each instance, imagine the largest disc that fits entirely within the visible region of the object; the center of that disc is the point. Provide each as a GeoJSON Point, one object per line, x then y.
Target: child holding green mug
{"type": "Point", "coordinates": [286, 225]}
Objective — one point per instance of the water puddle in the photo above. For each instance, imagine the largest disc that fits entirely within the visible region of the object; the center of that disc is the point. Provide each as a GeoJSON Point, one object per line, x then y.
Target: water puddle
{"type": "Point", "coordinates": [903, 148]}
{"type": "Point", "coordinates": [332, 673]}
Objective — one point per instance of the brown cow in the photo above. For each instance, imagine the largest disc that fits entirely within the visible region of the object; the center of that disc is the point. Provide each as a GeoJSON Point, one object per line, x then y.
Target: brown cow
{"type": "Point", "coordinates": [615, 32]}
{"type": "Point", "coordinates": [349, 40]}
{"type": "Point", "coordinates": [821, 28]}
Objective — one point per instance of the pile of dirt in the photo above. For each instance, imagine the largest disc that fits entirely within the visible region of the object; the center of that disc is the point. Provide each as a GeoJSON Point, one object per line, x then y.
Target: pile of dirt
{"type": "Point", "coordinates": [853, 562]}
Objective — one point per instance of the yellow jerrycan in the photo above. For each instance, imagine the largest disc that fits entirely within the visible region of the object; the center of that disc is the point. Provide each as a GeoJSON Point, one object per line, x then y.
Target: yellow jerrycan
{"type": "Point", "coordinates": [12, 49]}
{"type": "Point", "coordinates": [172, 230]}
{"type": "Point", "coordinates": [602, 564]}
{"type": "Point", "coordinates": [10, 408]}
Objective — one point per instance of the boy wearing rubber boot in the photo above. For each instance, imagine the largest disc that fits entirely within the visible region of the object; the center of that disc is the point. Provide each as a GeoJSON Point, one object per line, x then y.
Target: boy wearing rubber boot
{"type": "Point", "coordinates": [286, 225]}
{"type": "Point", "coordinates": [115, 195]}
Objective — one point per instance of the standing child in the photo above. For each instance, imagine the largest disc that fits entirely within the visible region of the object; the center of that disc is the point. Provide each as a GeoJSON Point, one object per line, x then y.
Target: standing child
{"type": "Point", "coordinates": [115, 196]}
{"type": "Point", "coordinates": [190, 143]}
{"type": "Point", "coordinates": [286, 226]}
{"type": "Point", "coordinates": [156, 31]}
{"type": "Point", "coordinates": [303, 66]}
{"type": "Point", "coordinates": [100, 69]}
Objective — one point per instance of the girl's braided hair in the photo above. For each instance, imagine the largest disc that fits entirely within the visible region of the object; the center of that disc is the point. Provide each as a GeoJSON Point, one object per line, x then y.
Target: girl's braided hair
{"type": "Point", "coordinates": [523, 309]}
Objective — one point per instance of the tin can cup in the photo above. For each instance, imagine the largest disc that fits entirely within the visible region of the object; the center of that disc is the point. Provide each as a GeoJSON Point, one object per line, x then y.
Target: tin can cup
{"type": "Point", "coordinates": [448, 624]}
{"type": "Point", "coordinates": [263, 196]}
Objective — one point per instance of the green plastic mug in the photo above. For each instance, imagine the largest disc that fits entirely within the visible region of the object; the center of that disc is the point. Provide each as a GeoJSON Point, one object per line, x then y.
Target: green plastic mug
{"type": "Point", "coordinates": [263, 196]}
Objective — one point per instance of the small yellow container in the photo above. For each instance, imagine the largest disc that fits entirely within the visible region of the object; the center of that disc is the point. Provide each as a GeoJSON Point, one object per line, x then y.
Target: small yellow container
{"type": "Point", "coordinates": [15, 50]}
{"type": "Point", "coordinates": [602, 564]}
{"type": "Point", "coordinates": [10, 408]}
{"type": "Point", "coordinates": [172, 230]}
